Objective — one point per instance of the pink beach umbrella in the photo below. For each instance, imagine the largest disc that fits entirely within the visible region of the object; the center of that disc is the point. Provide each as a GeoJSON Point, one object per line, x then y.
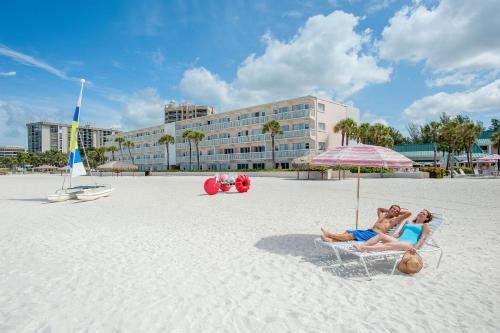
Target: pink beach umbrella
{"type": "Point", "coordinates": [362, 155]}
{"type": "Point", "coordinates": [494, 158]}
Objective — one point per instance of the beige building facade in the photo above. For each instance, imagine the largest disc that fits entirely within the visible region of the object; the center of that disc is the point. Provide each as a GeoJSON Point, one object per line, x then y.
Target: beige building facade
{"type": "Point", "coordinates": [234, 140]}
{"type": "Point", "coordinates": [146, 153]}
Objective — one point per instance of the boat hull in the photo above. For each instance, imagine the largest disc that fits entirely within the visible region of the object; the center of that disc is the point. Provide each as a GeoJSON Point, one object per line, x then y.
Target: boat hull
{"type": "Point", "coordinates": [61, 197]}
{"type": "Point", "coordinates": [94, 194]}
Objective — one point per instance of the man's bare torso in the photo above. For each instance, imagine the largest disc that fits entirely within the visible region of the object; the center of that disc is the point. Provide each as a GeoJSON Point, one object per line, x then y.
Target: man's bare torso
{"type": "Point", "coordinates": [383, 224]}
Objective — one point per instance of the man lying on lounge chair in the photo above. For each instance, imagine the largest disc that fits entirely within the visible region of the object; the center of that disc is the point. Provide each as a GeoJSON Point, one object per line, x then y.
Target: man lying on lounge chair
{"type": "Point", "coordinates": [387, 219]}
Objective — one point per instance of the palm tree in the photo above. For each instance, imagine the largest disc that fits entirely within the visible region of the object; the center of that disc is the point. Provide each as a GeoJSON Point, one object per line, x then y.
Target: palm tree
{"type": "Point", "coordinates": [22, 159]}
{"type": "Point", "coordinates": [362, 132]}
{"type": "Point", "coordinates": [449, 135]}
{"type": "Point", "coordinates": [434, 131]}
{"type": "Point", "coordinates": [197, 137]}
{"type": "Point", "coordinates": [468, 135]}
{"type": "Point", "coordinates": [386, 141]}
{"type": "Point", "coordinates": [377, 132]}
{"type": "Point", "coordinates": [274, 128]}
{"type": "Point", "coordinates": [495, 140]}
{"type": "Point", "coordinates": [120, 140]}
{"type": "Point", "coordinates": [129, 144]}
{"type": "Point", "coordinates": [346, 127]}
{"type": "Point", "coordinates": [187, 135]}
{"type": "Point", "coordinates": [112, 149]}
{"type": "Point", "coordinates": [167, 140]}
{"type": "Point", "coordinates": [101, 156]}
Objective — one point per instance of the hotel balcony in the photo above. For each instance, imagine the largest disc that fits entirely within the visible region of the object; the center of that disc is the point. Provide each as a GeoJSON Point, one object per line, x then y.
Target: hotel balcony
{"type": "Point", "coordinates": [266, 155]}
{"type": "Point", "coordinates": [306, 133]}
{"type": "Point", "coordinates": [306, 113]}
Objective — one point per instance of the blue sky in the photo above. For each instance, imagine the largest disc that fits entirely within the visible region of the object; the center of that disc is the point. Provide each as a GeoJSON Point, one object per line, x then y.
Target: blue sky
{"type": "Point", "coordinates": [397, 61]}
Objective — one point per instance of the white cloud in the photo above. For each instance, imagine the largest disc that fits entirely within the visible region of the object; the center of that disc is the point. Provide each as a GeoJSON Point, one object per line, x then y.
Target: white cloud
{"type": "Point", "coordinates": [457, 78]}
{"type": "Point", "coordinates": [33, 62]}
{"type": "Point", "coordinates": [374, 6]}
{"type": "Point", "coordinates": [158, 58]}
{"type": "Point", "coordinates": [144, 108]}
{"type": "Point", "coordinates": [8, 73]}
{"type": "Point", "coordinates": [453, 35]}
{"type": "Point", "coordinates": [292, 13]}
{"type": "Point", "coordinates": [368, 117]}
{"type": "Point", "coordinates": [326, 57]}
{"type": "Point", "coordinates": [484, 99]}
{"type": "Point", "coordinates": [14, 115]}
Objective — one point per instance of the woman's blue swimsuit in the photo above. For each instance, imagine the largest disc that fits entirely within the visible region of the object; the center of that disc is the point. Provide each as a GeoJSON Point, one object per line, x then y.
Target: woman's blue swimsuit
{"type": "Point", "coordinates": [411, 233]}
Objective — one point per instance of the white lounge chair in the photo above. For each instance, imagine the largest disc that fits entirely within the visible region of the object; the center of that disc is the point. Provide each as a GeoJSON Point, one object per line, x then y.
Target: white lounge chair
{"type": "Point", "coordinates": [430, 245]}
{"type": "Point", "coordinates": [340, 246]}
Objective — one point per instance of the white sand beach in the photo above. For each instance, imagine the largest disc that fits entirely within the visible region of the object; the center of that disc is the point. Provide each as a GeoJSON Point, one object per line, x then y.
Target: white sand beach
{"type": "Point", "coordinates": [161, 256]}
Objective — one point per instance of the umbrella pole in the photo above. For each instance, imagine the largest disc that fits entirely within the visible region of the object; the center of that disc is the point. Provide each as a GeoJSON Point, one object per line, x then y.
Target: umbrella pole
{"type": "Point", "coordinates": [357, 200]}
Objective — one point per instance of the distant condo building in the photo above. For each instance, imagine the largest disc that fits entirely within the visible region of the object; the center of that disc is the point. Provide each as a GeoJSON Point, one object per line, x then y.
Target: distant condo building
{"type": "Point", "coordinates": [177, 112]}
{"type": "Point", "coordinates": [10, 151]}
{"type": "Point", "coordinates": [234, 139]}
{"type": "Point", "coordinates": [44, 136]}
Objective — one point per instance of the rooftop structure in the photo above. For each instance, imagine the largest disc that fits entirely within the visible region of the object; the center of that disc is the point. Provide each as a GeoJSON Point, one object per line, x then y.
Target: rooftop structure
{"type": "Point", "coordinates": [177, 112]}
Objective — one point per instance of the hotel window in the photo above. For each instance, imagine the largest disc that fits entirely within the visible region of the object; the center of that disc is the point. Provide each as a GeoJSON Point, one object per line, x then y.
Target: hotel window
{"type": "Point", "coordinates": [321, 126]}
{"type": "Point", "coordinates": [321, 107]}
{"type": "Point", "coordinates": [243, 166]}
{"type": "Point", "coordinates": [229, 151]}
{"type": "Point", "coordinates": [322, 145]}
{"type": "Point", "coordinates": [283, 146]}
{"type": "Point", "coordinates": [256, 131]}
{"type": "Point", "coordinates": [243, 133]}
{"type": "Point", "coordinates": [258, 166]}
{"type": "Point", "coordinates": [285, 128]}
{"type": "Point", "coordinates": [244, 150]}
{"type": "Point", "coordinates": [259, 149]}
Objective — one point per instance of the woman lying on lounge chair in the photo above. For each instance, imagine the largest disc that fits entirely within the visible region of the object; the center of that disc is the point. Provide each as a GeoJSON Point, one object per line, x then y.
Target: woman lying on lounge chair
{"type": "Point", "coordinates": [411, 237]}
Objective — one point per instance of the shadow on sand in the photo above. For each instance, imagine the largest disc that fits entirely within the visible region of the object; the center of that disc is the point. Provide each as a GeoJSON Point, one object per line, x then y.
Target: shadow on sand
{"type": "Point", "coordinates": [303, 246]}
{"type": "Point", "coordinates": [42, 200]}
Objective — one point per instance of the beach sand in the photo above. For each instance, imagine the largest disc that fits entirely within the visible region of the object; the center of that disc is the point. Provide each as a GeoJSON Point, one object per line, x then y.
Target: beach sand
{"type": "Point", "coordinates": [161, 256]}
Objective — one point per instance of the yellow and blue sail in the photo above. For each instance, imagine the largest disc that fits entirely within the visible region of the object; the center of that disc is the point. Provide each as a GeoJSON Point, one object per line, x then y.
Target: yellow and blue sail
{"type": "Point", "coordinates": [75, 161]}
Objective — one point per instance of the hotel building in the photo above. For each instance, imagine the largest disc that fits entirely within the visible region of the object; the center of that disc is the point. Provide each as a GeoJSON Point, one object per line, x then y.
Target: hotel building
{"type": "Point", "coordinates": [10, 151]}
{"type": "Point", "coordinates": [234, 139]}
{"type": "Point", "coordinates": [44, 136]}
{"type": "Point", "coordinates": [147, 153]}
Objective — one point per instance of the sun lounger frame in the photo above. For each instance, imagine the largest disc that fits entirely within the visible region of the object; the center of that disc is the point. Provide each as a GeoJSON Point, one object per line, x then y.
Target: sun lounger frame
{"type": "Point", "coordinates": [430, 245]}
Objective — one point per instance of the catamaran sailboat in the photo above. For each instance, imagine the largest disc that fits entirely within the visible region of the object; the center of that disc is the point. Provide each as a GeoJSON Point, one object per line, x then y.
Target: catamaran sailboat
{"type": "Point", "coordinates": [81, 192]}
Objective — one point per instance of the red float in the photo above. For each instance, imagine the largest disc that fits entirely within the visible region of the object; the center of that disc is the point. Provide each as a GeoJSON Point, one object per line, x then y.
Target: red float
{"type": "Point", "coordinates": [242, 183]}
{"type": "Point", "coordinates": [224, 183]}
{"type": "Point", "coordinates": [211, 186]}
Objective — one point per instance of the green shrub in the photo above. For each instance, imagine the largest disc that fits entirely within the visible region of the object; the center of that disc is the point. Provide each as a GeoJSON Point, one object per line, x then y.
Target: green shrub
{"type": "Point", "coordinates": [468, 171]}
{"type": "Point", "coordinates": [434, 172]}
{"type": "Point", "coordinates": [369, 170]}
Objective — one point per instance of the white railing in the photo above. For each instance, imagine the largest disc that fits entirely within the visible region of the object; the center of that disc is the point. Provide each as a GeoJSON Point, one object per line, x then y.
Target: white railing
{"type": "Point", "coordinates": [249, 121]}
{"type": "Point", "coordinates": [247, 139]}
{"type": "Point", "coordinates": [266, 155]}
